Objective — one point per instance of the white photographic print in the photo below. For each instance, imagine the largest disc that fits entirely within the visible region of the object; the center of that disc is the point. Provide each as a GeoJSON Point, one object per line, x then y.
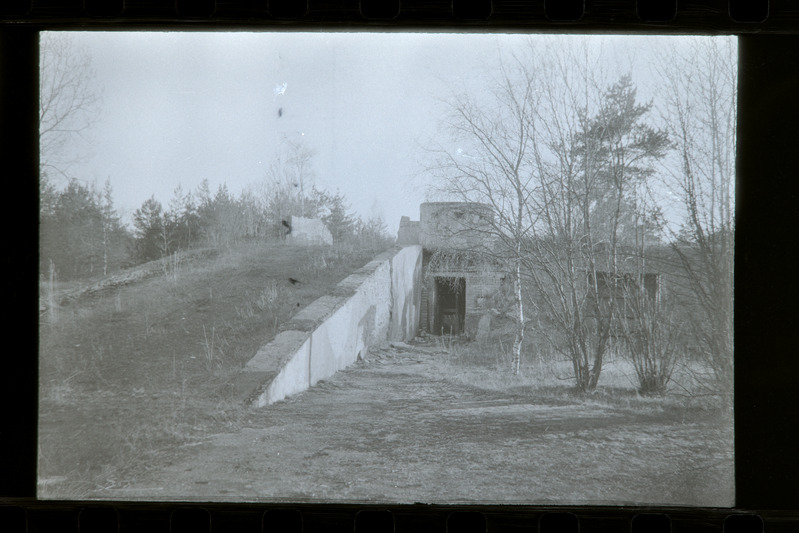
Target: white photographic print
{"type": "Point", "coordinates": [387, 268]}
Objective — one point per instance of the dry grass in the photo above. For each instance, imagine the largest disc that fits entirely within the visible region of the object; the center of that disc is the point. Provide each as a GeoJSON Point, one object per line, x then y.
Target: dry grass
{"type": "Point", "coordinates": [487, 365]}
{"type": "Point", "coordinates": [131, 371]}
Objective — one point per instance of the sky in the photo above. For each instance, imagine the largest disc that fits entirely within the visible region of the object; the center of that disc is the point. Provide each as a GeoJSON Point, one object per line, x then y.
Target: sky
{"type": "Point", "coordinates": [177, 108]}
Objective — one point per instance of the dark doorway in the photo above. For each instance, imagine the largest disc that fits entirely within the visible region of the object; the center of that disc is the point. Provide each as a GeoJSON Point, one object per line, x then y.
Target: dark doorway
{"type": "Point", "coordinates": [450, 310]}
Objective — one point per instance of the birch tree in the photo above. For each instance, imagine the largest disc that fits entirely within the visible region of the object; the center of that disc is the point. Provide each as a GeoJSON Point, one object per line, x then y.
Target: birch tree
{"type": "Point", "coordinates": [493, 167]}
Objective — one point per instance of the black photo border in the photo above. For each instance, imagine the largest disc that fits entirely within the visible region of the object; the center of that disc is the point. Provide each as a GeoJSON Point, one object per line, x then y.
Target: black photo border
{"type": "Point", "coordinates": [766, 274]}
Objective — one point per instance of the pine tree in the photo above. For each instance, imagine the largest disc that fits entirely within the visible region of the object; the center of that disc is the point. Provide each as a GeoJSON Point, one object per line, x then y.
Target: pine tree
{"type": "Point", "coordinates": [337, 219]}
{"type": "Point", "coordinates": [148, 221]}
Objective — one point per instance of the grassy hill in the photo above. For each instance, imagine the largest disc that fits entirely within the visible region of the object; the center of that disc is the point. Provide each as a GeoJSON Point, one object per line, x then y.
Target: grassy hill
{"type": "Point", "coordinates": [133, 365]}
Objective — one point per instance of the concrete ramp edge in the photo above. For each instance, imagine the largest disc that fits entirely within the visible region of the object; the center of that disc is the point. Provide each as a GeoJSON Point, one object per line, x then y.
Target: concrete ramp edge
{"type": "Point", "coordinates": [375, 304]}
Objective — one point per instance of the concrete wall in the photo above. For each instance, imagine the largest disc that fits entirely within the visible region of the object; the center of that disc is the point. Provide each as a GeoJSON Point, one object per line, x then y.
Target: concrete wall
{"type": "Point", "coordinates": [376, 303]}
{"type": "Point", "coordinates": [307, 231]}
{"type": "Point", "coordinates": [408, 232]}
{"type": "Point", "coordinates": [454, 225]}
{"type": "Point", "coordinates": [406, 293]}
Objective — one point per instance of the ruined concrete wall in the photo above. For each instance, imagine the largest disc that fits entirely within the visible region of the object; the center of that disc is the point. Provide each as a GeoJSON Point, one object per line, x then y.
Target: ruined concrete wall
{"type": "Point", "coordinates": [408, 233]}
{"type": "Point", "coordinates": [375, 303]}
{"type": "Point", "coordinates": [481, 291]}
{"type": "Point", "coordinates": [308, 231]}
{"type": "Point", "coordinates": [454, 225]}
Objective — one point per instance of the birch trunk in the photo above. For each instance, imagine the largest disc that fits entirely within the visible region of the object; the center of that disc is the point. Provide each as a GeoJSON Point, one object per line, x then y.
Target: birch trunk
{"type": "Point", "coordinates": [519, 339]}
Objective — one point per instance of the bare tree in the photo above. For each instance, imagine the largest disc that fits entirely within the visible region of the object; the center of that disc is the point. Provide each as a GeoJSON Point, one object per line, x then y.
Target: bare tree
{"type": "Point", "coordinates": [556, 155]}
{"type": "Point", "coordinates": [289, 184]}
{"type": "Point", "coordinates": [67, 101]}
{"type": "Point", "coordinates": [700, 113]}
{"type": "Point", "coordinates": [493, 168]}
{"type": "Point", "coordinates": [592, 159]}
{"type": "Point", "coordinates": [651, 322]}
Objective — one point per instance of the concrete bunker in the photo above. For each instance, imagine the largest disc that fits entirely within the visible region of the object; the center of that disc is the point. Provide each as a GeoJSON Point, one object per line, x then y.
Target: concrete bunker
{"type": "Point", "coordinates": [460, 279]}
{"type": "Point", "coordinates": [307, 232]}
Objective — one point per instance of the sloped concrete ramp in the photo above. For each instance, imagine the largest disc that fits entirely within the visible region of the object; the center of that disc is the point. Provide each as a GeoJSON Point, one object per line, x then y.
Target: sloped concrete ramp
{"type": "Point", "coordinates": [378, 302]}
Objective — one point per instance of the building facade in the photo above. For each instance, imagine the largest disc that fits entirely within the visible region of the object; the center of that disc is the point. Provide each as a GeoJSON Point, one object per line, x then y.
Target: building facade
{"type": "Point", "coordinates": [460, 280]}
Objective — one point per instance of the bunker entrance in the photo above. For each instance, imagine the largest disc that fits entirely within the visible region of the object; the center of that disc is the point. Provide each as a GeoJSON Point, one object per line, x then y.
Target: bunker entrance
{"type": "Point", "coordinates": [450, 308]}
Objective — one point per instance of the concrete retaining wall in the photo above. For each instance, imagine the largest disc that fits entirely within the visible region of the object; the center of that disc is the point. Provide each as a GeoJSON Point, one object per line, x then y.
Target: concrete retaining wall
{"type": "Point", "coordinates": [376, 303]}
{"type": "Point", "coordinates": [406, 293]}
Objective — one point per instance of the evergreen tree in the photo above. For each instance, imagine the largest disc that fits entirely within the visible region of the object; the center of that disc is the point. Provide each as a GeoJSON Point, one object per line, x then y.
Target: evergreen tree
{"type": "Point", "coordinates": [342, 225]}
{"type": "Point", "coordinates": [149, 224]}
{"type": "Point", "coordinates": [204, 211]}
{"type": "Point", "coordinates": [115, 237]}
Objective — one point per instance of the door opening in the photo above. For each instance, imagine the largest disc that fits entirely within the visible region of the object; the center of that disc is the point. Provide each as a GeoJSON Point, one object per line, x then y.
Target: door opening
{"type": "Point", "coordinates": [450, 306]}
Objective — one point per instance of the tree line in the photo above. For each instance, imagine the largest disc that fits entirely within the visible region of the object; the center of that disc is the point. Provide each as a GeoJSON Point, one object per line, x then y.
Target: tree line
{"type": "Point", "coordinates": [82, 235]}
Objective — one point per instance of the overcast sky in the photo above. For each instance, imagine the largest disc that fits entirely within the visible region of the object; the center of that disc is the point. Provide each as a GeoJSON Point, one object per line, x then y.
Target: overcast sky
{"type": "Point", "coordinates": [181, 107]}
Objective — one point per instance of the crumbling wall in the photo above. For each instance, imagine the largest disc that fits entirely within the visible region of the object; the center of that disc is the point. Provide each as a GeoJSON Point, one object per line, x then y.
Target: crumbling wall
{"type": "Point", "coordinates": [308, 231]}
{"type": "Point", "coordinates": [408, 233]}
{"type": "Point", "coordinates": [454, 225]}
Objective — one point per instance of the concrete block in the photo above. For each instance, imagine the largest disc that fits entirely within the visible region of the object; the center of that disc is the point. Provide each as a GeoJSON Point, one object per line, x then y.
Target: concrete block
{"type": "Point", "coordinates": [408, 232]}
{"type": "Point", "coordinates": [272, 356]}
{"type": "Point", "coordinates": [294, 377]}
{"type": "Point", "coordinates": [308, 231]}
{"type": "Point", "coordinates": [454, 225]}
{"type": "Point", "coordinates": [313, 315]}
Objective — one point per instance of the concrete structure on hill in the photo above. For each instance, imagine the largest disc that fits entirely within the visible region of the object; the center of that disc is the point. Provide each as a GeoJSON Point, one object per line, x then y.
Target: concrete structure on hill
{"type": "Point", "coordinates": [408, 232]}
{"type": "Point", "coordinates": [308, 231]}
{"type": "Point", "coordinates": [445, 278]}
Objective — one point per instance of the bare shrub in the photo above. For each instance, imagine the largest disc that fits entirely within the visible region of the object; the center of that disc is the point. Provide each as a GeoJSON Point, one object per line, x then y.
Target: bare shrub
{"type": "Point", "coordinates": [652, 337]}
{"type": "Point", "coordinates": [172, 266]}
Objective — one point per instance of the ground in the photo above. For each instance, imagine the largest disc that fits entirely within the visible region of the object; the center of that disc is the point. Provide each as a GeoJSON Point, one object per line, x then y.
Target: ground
{"type": "Point", "coordinates": [137, 367]}
{"type": "Point", "coordinates": [412, 422]}
{"type": "Point", "coordinates": [394, 429]}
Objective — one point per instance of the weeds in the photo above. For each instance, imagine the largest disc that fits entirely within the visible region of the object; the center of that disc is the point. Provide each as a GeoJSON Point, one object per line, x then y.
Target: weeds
{"type": "Point", "coordinates": [172, 266]}
{"type": "Point", "coordinates": [484, 365]}
{"type": "Point", "coordinates": [122, 453]}
{"type": "Point", "coordinates": [208, 346]}
{"type": "Point", "coordinates": [269, 300]}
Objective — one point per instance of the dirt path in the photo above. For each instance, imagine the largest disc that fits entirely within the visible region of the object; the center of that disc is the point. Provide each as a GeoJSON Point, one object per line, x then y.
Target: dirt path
{"type": "Point", "coordinates": [393, 429]}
